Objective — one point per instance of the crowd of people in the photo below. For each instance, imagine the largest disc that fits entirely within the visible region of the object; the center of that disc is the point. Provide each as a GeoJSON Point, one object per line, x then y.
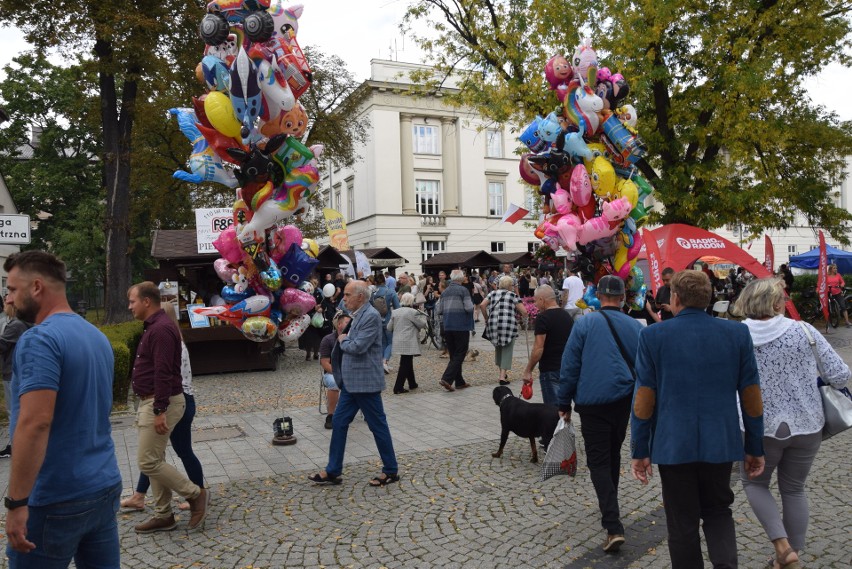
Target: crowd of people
{"type": "Point", "coordinates": [758, 405]}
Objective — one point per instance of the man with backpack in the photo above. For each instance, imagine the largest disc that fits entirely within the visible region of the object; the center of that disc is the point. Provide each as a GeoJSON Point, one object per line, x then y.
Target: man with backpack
{"type": "Point", "coordinates": [385, 300]}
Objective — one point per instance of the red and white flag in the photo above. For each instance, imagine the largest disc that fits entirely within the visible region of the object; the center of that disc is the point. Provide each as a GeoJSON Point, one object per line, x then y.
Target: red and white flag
{"type": "Point", "coordinates": [769, 252]}
{"type": "Point", "coordinates": [515, 213]}
{"type": "Point", "coordinates": [822, 277]}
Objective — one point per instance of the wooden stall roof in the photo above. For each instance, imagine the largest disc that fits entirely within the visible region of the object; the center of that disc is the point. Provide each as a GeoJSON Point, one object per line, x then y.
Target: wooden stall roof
{"type": "Point", "coordinates": [170, 244]}
{"type": "Point", "coordinates": [383, 256]}
{"type": "Point", "coordinates": [524, 259]}
{"type": "Point", "coordinates": [330, 258]}
{"type": "Point", "coordinates": [465, 259]}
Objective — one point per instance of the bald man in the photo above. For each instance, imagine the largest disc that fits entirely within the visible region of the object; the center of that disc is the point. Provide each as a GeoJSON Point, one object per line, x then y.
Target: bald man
{"type": "Point", "coordinates": [552, 328]}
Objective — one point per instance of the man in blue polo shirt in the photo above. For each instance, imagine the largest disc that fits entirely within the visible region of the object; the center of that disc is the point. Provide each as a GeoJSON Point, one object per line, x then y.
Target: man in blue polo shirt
{"type": "Point", "coordinates": [64, 468]}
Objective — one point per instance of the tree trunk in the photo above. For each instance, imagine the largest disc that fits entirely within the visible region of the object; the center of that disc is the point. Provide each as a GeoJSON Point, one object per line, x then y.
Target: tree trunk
{"type": "Point", "coordinates": [116, 178]}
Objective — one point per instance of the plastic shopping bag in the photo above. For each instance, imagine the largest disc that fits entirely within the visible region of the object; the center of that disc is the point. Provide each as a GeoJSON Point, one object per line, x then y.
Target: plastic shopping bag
{"type": "Point", "coordinates": [561, 457]}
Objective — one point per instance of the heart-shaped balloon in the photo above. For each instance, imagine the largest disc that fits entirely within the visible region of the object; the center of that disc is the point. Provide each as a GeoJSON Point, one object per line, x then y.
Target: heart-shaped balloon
{"type": "Point", "coordinates": [258, 329]}
{"type": "Point", "coordinates": [295, 302]}
{"type": "Point", "coordinates": [291, 330]}
{"type": "Point", "coordinates": [224, 269]}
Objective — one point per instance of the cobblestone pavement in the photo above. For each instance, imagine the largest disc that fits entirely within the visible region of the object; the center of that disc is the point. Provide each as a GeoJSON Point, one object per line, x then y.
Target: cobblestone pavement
{"type": "Point", "coordinates": [455, 506]}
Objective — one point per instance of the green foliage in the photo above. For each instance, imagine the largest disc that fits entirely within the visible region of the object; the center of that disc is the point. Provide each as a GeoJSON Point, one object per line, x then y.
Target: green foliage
{"type": "Point", "coordinates": [124, 338]}
{"type": "Point", "coordinates": [719, 88]}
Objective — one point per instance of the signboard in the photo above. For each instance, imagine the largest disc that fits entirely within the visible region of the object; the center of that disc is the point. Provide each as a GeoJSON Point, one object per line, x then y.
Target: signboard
{"type": "Point", "coordinates": [209, 222]}
{"type": "Point", "coordinates": [14, 229]}
{"type": "Point", "coordinates": [336, 225]}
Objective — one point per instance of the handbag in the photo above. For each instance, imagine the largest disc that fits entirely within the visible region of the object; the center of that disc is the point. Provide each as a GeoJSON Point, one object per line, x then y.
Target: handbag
{"type": "Point", "coordinates": [419, 298]}
{"type": "Point", "coordinates": [836, 403]}
{"type": "Point", "coordinates": [561, 456]}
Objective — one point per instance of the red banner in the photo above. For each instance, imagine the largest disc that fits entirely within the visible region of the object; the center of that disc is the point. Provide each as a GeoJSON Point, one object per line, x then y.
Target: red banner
{"type": "Point", "coordinates": [822, 277]}
{"type": "Point", "coordinates": [654, 260]}
{"type": "Point", "coordinates": [769, 254]}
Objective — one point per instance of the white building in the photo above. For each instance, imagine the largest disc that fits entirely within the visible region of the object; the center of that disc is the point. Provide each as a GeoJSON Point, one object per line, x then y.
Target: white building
{"type": "Point", "coordinates": [431, 178]}
{"type": "Point", "coordinates": [435, 178]}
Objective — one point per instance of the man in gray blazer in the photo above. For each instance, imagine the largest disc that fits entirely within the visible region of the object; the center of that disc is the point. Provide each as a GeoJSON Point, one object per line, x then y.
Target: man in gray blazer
{"type": "Point", "coordinates": [356, 362]}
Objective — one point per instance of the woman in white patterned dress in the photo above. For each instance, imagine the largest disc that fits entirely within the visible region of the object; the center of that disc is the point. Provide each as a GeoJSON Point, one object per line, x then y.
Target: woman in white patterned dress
{"type": "Point", "coordinates": [501, 324]}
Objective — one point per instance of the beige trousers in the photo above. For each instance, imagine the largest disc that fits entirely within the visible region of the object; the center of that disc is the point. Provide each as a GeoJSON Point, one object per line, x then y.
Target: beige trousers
{"type": "Point", "coordinates": [151, 456]}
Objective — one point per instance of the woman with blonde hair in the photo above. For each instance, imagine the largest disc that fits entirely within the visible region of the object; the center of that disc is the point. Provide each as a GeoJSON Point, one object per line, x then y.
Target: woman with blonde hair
{"type": "Point", "coordinates": [406, 323]}
{"type": "Point", "coordinates": [181, 436]}
{"type": "Point", "coordinates": [792, 412]}
{"type": "Point", "coordinates": [501, 323]}
{"type": "Point", "coordinates": [836, 284]}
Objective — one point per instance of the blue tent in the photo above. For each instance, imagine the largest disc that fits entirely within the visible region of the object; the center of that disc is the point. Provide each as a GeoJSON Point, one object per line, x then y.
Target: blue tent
{"type": "Point", "coordinates": [810, 260]}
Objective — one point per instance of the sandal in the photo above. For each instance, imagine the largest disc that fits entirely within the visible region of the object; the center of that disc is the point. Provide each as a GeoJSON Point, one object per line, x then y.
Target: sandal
{"type": "Point", "coordinates": [325, 480]}
{"type": "Point", "coordinates": [783, 562]}
{"type": "Point", "coordinates": [388, 479]}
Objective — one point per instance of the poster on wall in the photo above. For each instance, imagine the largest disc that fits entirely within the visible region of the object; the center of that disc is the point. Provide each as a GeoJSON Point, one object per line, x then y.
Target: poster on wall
{"type": "Point", "coordinates": [209, 222]}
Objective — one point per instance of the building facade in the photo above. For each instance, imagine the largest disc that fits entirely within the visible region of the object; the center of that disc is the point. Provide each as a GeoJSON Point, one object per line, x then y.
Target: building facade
{"type": "Point", "coordinates": [435, 178]}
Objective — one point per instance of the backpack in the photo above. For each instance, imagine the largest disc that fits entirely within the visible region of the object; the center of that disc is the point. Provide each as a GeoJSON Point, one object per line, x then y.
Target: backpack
{"type": "Point", "coordinates": [380, 303]}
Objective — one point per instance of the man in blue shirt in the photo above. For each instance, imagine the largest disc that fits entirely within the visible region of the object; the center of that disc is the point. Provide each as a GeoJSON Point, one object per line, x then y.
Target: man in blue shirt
{"type": "Point", "coordinates": [64, 466]}
{"type": "Point", "coordinates": [685, 420]}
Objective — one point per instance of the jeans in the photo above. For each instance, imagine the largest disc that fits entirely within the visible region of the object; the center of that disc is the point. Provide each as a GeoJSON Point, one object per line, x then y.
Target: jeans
{"type": "Point", "coordinates": [405, 371]}
{"type": "Point", "coordinates": [387, 343]}
{"type": "Point", "coordinates": [604, 428]}
{"type": "Point", "coordinates": [374, 413]}
{"type": "Point", "coordinates": [7, 392]}
{"type": "Point", "coordinates": [693, 492]}
{"type": "Point", "coordinates": [549, 381]}
{"type": "Point", "coordinates": [181, 438]}
{"type": "Point", "coordinates": [84, 530]}
{"type": "Point", "coordinates": [457, 344]}
{"type": "Point", "coordinates": [151, 456]}
{"type": "Point", "coordinates": [792, 458]}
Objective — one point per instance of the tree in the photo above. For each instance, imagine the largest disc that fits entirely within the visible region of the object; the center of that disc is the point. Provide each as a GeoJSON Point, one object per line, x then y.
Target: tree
{"type": "Point", "coordinates": [123, 42]}
{"type": "Point", "coordinates": [48, 156]}
{"type": "Point", "coordinates": [719, 88]}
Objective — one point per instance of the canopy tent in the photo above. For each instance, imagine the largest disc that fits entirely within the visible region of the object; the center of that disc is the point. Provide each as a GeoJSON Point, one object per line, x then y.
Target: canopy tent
{"type": "Point", "coordinates": [810, 260]}
{"type": "Point", "coordinates": [681, 245]}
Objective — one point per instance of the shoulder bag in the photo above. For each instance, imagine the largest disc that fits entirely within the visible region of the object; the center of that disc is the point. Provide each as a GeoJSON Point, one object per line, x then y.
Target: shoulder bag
{"type": "Point", "coordinates": [620, 345]}
{"type": "Point", "coordinates": [836, 403]}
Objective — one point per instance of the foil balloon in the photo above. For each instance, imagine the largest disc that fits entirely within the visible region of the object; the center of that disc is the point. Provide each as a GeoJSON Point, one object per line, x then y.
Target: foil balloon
{"type": "Point", "coordinates": [291, 330]}
{"type": "Point", "coordinates": [310, 247]}
{"type": "Point", "coordinates": [279, 241]}
{"type": "Point", "coordinates": [224, 269]}
{"type": "Point", "coordinates": [230, 294]}
{"type": "Point", "coordinates": [296, 265]}
{"type": "Point", "coordinates": [271, 277]}
{"type": "Point", "coordinates": [205, 164]}
{"type": "Point", "coordinates": [220, 112]}
{"type": "Point", "coordinates": [259, 328]}
{"type": "Point", "coordinates": [295, 302]}
{"type": "Point", "coordinates": [307, 287]}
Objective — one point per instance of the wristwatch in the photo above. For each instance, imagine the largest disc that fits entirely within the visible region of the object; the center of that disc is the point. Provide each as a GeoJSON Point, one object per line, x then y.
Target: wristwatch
{"type": "Point", "coordinates": [159, 411]}
{"type": "Point", "coordinates": [12, 504]}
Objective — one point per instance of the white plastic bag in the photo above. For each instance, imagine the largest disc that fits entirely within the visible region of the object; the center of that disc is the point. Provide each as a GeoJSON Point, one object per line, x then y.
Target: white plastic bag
{"type": "Point", "coordinates": [561, 457]}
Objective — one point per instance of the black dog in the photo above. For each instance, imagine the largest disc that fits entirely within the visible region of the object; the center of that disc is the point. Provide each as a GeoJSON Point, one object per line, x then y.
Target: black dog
{"type": "Point", "coordinates": [528, 420]}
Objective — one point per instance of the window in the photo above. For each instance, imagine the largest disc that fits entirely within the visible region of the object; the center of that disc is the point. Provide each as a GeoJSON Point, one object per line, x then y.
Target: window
{"type": "Point", "coordinates": [350, 196]}
{"type": "Point", "coordinates": [338, 201]}
{"type": "Point", "coordinates": [530, 203]}
{"type": "Point", "coordinates": [495, 198]}
{"type": "Point", "coordinates": [533, 246]}
{"type": "Point", "coordinates": [494, 143]}
{"type": "Point", "coordinates": [429, 249]}
{"type": "Point", "coordinates": [426, 139]}
{"type": "Point", "coordinates": [791, 249]}
{"type": "Point", "coordinates": [427, 192]}
{"type": "Point", "coordinates": [498, 246]}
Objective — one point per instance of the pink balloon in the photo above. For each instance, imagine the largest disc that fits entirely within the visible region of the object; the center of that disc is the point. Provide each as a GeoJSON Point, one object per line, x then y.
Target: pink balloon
{"type": "Point", "coordinates": [228, 246]}
{"type": "Point", "coordinates": [561, 200]}
{"type": "Point", "coordinates": [224, 270]}
{"type": "Point", "coordinates": [281, 240]}
{"type": "Point", "coordinates": [581, 186]}
{"type": "Point", "coordinates": [296, 302]}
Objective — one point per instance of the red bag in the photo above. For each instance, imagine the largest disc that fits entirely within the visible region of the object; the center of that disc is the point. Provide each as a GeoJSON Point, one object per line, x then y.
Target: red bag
{"type": "Point", "coordinates": [527, 390]}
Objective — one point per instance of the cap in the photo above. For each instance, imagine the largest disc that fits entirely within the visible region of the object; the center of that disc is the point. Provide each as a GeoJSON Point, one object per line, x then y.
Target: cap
{"type": "Point", "coordinates": [611, 285]}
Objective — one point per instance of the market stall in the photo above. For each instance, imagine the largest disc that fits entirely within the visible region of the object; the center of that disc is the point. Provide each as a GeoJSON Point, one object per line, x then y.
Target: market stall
{"type": "Point", "coordinates": [463, 260]}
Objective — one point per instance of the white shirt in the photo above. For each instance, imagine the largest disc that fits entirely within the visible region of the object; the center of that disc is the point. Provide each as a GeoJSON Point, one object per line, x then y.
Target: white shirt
{"type": "Point", "coordinates": [574, 286]}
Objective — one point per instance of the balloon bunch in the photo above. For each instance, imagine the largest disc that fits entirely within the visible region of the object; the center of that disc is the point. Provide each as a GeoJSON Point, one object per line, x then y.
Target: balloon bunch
{"type": "Point", "coordinates": [582, 158]}
{"type": "Point", "coordinates": [245, 131]}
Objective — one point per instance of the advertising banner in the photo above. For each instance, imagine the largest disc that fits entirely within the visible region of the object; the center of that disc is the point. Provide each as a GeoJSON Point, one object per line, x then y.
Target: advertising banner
{"type": "Point", "coordinates": [336, 225]}
{"type": "Point", "coordinates": [209, 223]}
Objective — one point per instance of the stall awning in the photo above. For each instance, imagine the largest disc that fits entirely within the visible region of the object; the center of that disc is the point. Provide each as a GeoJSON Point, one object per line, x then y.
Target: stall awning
{"type": "Point", "coordinates": [465, 260]}
{"type": "Point", "coordinates": [524, 259]}
{"type": "Point", "coordinates": [177, 244]}
{"type": "Point", "coordinates": [330, 258]}
{"type": "Point", "coordinates": [379, 257]}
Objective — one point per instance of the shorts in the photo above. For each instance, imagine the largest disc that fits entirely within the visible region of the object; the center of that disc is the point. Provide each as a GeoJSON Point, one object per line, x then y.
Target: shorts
{"type": "Point", "coordinates": [328, 381]}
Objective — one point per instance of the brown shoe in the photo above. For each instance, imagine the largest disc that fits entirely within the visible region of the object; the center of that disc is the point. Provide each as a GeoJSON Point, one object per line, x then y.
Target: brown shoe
{"type": "Point", "coordinates": [446, 385]}
{"type": "Point", "coordinates": [198, 508]}
{"type": "Point", "coordinates": [157, 524]}
{"type": "Point", "coordinates": [613, 542]}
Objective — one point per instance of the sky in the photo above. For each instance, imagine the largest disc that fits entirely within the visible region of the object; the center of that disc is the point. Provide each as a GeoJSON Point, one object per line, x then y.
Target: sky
{"type": "Point", "coordinates": [369, 29]}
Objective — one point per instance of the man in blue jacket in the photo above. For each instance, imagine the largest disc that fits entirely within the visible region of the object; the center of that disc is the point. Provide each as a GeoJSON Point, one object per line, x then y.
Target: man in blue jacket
{"type": "Point", "coordinates": [597, 375]}
{"type": "Point", "coordinates": [685, 420]}
{"type": "Point", "coordinates": [356, 362]}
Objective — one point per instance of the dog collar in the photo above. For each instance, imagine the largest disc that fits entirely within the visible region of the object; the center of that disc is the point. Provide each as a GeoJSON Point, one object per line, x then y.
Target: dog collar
{"type": "Point", "coordinates": [505, 397]}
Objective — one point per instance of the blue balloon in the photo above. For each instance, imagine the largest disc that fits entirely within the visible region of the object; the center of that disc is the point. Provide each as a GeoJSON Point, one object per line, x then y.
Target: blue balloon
{"type": "Point", "coordinates": [230, 295]}
{"type": "Point", "coordinates": [590, 297]}
{"type": "Point", "coordinates": [296, 265]}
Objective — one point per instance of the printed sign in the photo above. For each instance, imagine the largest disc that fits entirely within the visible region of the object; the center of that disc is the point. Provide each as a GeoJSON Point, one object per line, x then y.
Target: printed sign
{"type": "Point", "coordinates": [209, 223]}
{"type": "Point", "coordinates": [14, 229]}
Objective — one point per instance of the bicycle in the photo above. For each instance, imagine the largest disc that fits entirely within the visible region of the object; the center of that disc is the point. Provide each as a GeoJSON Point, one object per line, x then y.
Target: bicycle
{"type": "Point", "coordinates": [812, 311]}
{"type": "Point", "coordinates": [432, 331]}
